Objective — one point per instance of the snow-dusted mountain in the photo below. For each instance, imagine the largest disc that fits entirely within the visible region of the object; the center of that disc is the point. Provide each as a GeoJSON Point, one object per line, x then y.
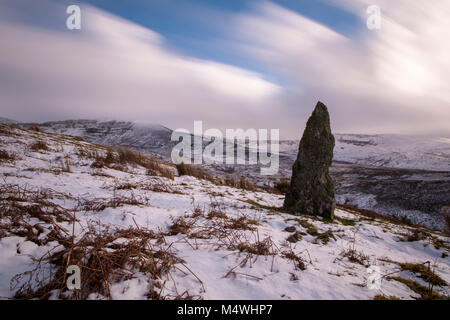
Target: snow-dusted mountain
{"type": "Point", "coordinates": [387, 151]}
{"type": "Point", "coordinates": [150, 137]}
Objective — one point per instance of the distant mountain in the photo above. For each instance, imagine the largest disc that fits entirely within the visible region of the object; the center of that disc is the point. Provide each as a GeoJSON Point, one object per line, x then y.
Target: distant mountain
{"type": "Point", "coordinates": [7, 121]}
{"type": "Point", "coordinates": [150, 137]}
{"type": "Point", "coordinates": [386, 151]}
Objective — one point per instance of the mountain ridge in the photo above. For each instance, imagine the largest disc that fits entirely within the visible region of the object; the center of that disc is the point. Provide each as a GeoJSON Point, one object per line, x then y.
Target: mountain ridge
{"type": "Point", "coordinates": [380, 150]}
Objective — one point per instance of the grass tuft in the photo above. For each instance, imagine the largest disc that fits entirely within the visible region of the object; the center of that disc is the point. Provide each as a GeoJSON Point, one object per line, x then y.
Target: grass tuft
{"type": "Point", "coordinates": [39, 145]}
{"type": "Point", "coordinates": [424, 292]}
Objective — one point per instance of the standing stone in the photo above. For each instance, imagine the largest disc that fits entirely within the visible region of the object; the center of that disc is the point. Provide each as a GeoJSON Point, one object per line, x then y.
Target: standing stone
{"type": "Point", "coordinates": [312, 191]}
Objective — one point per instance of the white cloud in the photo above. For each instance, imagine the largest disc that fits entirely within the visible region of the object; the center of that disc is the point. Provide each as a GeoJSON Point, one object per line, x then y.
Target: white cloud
{"type": "Point", "coordinates": [116, 69]}
{"type": "Point", "coordinates": [396, 79]}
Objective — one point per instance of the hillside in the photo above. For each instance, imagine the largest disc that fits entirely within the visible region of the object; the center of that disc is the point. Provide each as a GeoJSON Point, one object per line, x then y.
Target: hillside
{"type": "Point", "coordinates": [386, 151]}
{"type": "Point", "coordinates": [139, 231]}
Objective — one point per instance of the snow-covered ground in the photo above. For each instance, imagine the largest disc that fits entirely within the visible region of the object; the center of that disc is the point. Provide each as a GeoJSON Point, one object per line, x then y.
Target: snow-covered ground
{"type": "Point", "coordinates": [229, 243]}
{"type": "Point", "coordinates": [388, 151]}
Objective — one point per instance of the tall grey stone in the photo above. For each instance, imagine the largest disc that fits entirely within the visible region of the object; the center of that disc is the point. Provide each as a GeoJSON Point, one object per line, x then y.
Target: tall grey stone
{"type": "Point", "coordinates": [312, 191]}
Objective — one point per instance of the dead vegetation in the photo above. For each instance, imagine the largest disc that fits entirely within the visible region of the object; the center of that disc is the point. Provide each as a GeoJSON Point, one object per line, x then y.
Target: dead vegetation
{"type": "Point", "coordinates": [425, 292]}
{"type": "Point", "coordinates": [117, 200]}
{"type": "Point", "coordinates": [383, 297]}
{"type": "Point", "coordinates": [240, 183]}
{"type": "Point", "coordinates": [5, 130]}
{"type": "Point", "coordinates": [65, 165]}
{"type": "Point", "coordinates": [420, 234]}
{"type": "Point", "coordinates": [122, 157]}
{"type": "Point", "coordinates": [298, 261]}
{"type": "Point", "coordinates": [6, 156]}
{"type": "Point", "coordinates": [155, 185]}
{"type": "Point", "coordinates": [34, 127]}
{"type": "Point", "coordinates": [213, 227]}
{"type": "Point", "coordinates": [105, 255]}
{"type": "Point", "coordinates": [260, 248]}
{"type": "Point", "coordinates": [194, 171]}
{"type": "Point", "coordinates": [18, 205]}
{"type": "Point", "coordinates": [103, 261]}
{"type": "Point", "coordinates": [355, 256]}
{"type": "Point", "coordinates": [282, 187]}
{"type": "Point", "coordinates": [424, 271]}
{"type": "Point", "coordinates": [445, 213]}
{"type": "Point", "coordinates": [228, 180]}
{"type": "Point", "coordinates": [39, 145]}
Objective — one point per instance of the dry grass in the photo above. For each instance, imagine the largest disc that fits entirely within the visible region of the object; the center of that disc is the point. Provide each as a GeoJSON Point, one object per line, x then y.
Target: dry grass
{"type": "Point", "coordinates": [298, 261]}
{"type": "Point", "coordinates": [155, 185]}
{"type": "Point", "coordinates": [100, 173]}
{"type": "Point", "coordinates": [107, 255]}
{"type": "Point", "coordinates": [283, 186]}
{"type": "Point", "coordinates": [5, 130]}
{"type": "Point", "coordinates": [180, 225]}
{"type": "Point", "coordinates": [382, 297]}
{"type": "Point", "coordinates": [194, 171]}
{"type": "Point", "coordinates": [424, 271]}
{"type": "Point", "coordinates": [123, 156]}
{"type": "Point", "coordinates": [6, 156]}
{"type": "Point", "coordinates": [39, 145]}
{"type": "Point", "coordinates": [200, 173]}
{"type": "Point", "coordinates": [424, 292]}
{"type": "Point", "coordinates": [35, 127]}
{"type": "Point", "coordinates": [18, 205]}
{"type": "Point", "coordinates": [238, 234]}
{"type": "Point", "coordinates": [102, 261]}
{"type": "Point", "coordinates": [354, 255]}
{"type": "Point", "coordinates": [261, 248]}
{"type": "Point", "coordinates": [216, 214]}
{"type": "Point", "coordinates": [241, 183]}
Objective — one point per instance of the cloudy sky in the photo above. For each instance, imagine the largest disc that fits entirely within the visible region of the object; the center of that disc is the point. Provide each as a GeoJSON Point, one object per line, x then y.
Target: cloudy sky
{"type": "Point", "coordinates": [249, 64]}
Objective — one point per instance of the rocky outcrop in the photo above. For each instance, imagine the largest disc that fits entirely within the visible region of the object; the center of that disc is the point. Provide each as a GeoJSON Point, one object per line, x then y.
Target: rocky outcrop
{"type": "Point", "coordinates": [311, 190]}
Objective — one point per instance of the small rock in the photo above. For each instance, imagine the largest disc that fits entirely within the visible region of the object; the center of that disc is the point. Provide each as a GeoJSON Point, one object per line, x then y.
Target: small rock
{"type": "Point", "coordinates": [290, 229]}
{"type": "Point", "coordinates": [295, 237]}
